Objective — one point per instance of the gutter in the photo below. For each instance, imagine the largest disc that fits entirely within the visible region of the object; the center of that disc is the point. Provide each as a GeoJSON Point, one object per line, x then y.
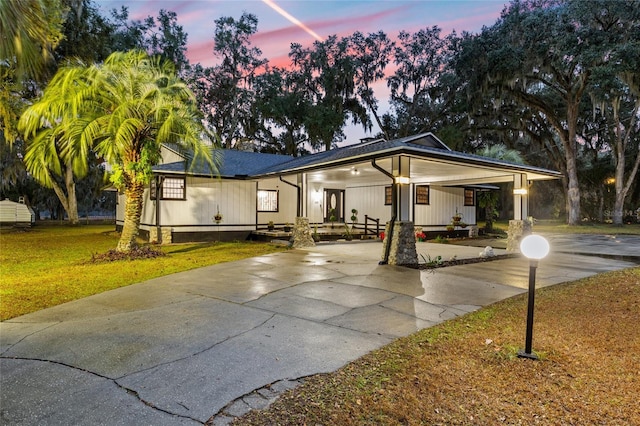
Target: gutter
{"type": "Point", "coordinates": [298, 212]}
{"type": "Point", "coordinates": [394, 209]}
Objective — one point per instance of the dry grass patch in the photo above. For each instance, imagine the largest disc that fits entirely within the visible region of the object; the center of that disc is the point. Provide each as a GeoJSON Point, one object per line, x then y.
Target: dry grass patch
{"type": "Point", "coordinates": [466, 372]}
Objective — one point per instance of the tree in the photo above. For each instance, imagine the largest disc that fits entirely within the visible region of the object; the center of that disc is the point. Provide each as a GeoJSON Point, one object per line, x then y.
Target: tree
{"type": "Point", "coordinates": [615, 87]}
{"type": "Point", "coordinates": [534, 56]}
{"type": "Point", "coordinates": [169, 41]}
{"type": "Point", "coordinates": [43, 125]}
{"type": "Point", "coordinates": [87, 34]}
{"type": "Point", "coordinates": [282, 105]}
{"type": "Point", "coordinates": [328, 73]}
{"type": "Point", "coordinates": [488, 200]}
{"type": "Point", "coordinates": [30, 30]}
{"type": "Point", "coordinates": [415, 91]}
{"type": "Point", "coordinates": [125, 109]}
{"type": "Point", "coordinates": [225, 91]}
{"type": "Point", "coordinates": [371, 54]}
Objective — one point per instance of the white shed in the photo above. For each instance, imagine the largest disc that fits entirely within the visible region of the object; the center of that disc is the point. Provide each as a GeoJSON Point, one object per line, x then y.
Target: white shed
{"type": "Point", "coordinates": [12, 213]}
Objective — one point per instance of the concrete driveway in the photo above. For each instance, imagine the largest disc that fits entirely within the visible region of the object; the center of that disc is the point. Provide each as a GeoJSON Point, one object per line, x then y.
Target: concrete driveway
{"type": "Point", "coordinates": [210, 344]}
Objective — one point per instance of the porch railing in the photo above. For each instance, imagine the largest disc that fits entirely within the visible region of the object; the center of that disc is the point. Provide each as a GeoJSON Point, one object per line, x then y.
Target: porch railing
{"type": "Point", "coordinates": [371, 221]}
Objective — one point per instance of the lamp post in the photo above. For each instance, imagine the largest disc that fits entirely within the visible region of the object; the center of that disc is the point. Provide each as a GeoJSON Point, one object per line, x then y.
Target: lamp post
{"type": "Point", "coordinates": [534, 247]}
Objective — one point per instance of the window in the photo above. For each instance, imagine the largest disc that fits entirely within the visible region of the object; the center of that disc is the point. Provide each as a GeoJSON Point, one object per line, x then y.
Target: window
{"type": "Point", "coordinates": [172, 189]}
{"type": "Point", "coordinates": [267, 200]}
{"type": "Point", "coordinates": [388, 192]}
{"type": "Point", "coordinates": [422, 194]}
{"type": "Point", "coordinates": [469, 197]}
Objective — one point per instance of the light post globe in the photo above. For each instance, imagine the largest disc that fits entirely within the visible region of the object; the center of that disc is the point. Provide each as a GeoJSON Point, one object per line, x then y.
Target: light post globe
{"type": "Point", "coordinates": [534, 247]}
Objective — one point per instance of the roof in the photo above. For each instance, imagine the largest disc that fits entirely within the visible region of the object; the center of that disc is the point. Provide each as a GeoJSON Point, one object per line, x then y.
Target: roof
{"type": "Point", "coordinates": [231, 164]}
{"type": "Point", "coordinates": [243, 164]}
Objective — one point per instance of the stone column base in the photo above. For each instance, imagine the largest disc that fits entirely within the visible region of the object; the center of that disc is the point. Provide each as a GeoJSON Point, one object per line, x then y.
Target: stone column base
{"type": "Point", "coordinates": [301, 234]}
{"type": "Point", "coordinates": [165, 234]}
{"type": "Point", "coordinates": [403, 244]}
{"type": "Point", "coordinates": [517, 230]}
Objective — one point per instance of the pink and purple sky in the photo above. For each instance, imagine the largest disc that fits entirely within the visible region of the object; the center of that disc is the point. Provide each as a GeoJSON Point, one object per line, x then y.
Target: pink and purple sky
{"type": "Point", "coordinates": [282, 22]}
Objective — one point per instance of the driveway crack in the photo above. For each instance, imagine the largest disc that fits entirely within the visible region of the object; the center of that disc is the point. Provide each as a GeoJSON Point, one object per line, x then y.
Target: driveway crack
{"type": "Point", "coordinates": [114, 381]}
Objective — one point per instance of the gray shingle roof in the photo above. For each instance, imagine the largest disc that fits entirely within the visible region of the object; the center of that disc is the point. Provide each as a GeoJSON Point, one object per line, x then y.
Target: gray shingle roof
{"type": "Point", "coordinates": [241, 164]}
{"type": "Point", "coordinates": [231, 164]}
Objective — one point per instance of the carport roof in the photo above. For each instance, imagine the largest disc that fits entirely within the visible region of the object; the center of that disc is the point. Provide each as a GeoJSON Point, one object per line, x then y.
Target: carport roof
{"type": "Point", "coordinates": [242, 164]}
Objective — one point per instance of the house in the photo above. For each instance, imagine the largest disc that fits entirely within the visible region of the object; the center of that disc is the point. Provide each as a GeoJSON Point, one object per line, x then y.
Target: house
{"type": "Point", "coordinates": [16, 214]}
{"type": "Point", "coordinates": [417, 179]}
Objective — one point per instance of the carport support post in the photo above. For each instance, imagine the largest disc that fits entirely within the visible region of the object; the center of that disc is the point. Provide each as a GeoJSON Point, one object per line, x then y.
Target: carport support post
{"type": "Point", "coordinates": [402, 247]}
{"type": "Point", "coordinates": [519, 226]}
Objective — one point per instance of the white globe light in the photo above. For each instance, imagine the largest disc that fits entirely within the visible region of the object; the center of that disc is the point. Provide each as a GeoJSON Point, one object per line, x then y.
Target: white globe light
{"type": "Point", "coordinates": [534, 247]}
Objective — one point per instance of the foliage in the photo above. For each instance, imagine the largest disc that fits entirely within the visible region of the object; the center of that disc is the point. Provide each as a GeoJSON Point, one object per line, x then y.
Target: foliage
{"type": "Point", "coordinates": [124, 109]}
{"type": "Point", "coordinates": [431, 262]}
{"type": "Point", "coordinates": [416, 98]}
{"type": "Point", "coordinates": [348, 232]}
{"type": "Point", "coordinates": [30, 30]}
{"type": "Point", "coordinates": [440, 240]}
{"type": "Point", "coordinates": [533, 59]}
{"type": "Point", "coordinates": [49, 265]}
{"type": "Point", "coordinates": [225, 92]}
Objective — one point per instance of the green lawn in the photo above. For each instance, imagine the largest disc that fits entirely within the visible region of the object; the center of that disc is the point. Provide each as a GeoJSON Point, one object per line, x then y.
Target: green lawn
{"type": "Point", "coordinates": [559, 227]}
{"type": "Point", "coordinates": [48, 265]}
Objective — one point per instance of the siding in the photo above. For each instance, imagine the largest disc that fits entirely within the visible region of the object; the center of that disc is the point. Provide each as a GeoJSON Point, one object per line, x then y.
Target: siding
{"type": "Point", "coordinates": [443, 202]}
{"type": "Point", "coordinates": [287, 201]}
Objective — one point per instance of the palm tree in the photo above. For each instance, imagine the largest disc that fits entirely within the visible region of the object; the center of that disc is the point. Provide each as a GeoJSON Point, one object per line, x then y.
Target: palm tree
{"type": "Point", "coordinates": [30, 30]}
{"type": "Point", "coordinates": [44, 126]}
{"type": "Point", "coordinates": [142, 105]}
{"type": "Point", "coordinates": [125, 110]}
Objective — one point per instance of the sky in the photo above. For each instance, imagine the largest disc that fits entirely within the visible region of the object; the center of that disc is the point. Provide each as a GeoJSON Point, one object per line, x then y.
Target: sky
{"type": "Point", "coordinates": [282, 22]}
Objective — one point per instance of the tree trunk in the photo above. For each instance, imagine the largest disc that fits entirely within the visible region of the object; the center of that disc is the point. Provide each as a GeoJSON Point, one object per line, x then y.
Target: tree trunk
{"type": "Point", "coordinates": [573, 188]}
{"type": "Point", "coordinates": [622, 187]}
{"type": "Point", "coordinates": [68, 199]}
{"type": "Point", "coordinates": [132, 211]}
{"type": "Point", "coordinates": [72, 210]}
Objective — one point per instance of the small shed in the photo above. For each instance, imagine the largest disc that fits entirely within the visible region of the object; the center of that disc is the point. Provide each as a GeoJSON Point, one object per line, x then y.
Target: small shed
{"type": "Point", "coordinates": [15, 214]}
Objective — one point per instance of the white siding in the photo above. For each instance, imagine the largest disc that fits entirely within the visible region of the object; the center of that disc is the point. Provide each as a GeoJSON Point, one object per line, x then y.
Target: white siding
{"type": "Point", "coordinates": [234, 199]}
{"type": "Point", "coordinates": [443, 202]}
{"type": "Point", "coordinates": [169, 156]}
{"type": "Point", "coordinates": [368, 200]}
{"type": "Point", "coordinates": [287, 201]}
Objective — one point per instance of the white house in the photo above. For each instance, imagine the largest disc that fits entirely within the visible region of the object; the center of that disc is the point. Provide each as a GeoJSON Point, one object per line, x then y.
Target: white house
{"type": "Point", "coordinates": [417, 179]}
{"type": "Point", "coordinates": [15, 214]}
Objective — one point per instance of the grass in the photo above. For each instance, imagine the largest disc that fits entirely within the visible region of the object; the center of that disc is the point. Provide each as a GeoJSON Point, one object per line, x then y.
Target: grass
{"type": "Point", "coordinates": [559, 227]}
{"type": "Point", "coordinates": [49, 265]}
{"type": "Point", "coordinates": [466, 372]}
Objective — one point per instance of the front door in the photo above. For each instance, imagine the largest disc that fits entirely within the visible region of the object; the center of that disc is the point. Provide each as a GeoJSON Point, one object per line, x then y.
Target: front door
{"type": "Point", "coordinates": [334, 205]}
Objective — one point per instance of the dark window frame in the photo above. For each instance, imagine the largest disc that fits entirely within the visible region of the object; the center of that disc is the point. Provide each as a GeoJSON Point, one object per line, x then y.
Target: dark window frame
{"type": "Point", "coordinates": [277, 192]}
{"type": "Point", "coordinates": [180, 189]}
{"type": "Point", "coordinates": [420, 198]}
{"type": "Point", "coordinates": [469, 197]}
{"type": "Point", "coordinates": [388, 195]}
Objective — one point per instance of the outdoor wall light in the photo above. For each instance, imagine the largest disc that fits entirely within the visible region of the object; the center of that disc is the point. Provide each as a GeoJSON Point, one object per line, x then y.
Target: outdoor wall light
{"type": "Point", "coordinates": [534, 247]}
{"type": "Point", "coordinates": [520, 191]}
{"type": "Point", "coordinates": [402, 179]}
